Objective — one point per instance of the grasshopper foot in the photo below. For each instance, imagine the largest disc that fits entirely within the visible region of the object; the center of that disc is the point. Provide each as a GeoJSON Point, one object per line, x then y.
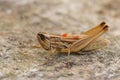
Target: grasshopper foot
{"type": "Point", "coordinates": [48, 61]}
{"type": "Point", "coordinates": [69, 64]}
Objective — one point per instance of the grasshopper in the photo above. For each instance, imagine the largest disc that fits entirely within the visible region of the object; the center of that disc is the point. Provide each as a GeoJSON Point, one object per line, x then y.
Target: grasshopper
{"type": "Point", "coordinates": [69, 43]}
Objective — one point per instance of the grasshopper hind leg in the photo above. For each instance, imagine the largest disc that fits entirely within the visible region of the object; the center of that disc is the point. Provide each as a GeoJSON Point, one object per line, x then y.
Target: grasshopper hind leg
{"type": "Point", "coordinates": [68, 58]}
{"type": "Point", "coordinates": [97, 44]}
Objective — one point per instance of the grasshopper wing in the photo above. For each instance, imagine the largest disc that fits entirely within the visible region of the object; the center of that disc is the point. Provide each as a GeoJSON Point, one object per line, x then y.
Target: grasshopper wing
{"type": "Point", "coordinates": [98, 28]}
{"type": "Point", "coordinates": [82, 43]}
{"type": "Point", "coordinates": [96, 44]}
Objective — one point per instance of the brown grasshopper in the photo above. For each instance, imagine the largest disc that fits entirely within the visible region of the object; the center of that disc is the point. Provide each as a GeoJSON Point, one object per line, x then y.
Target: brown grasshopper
{"type": "Point", "coordinates": [69, 43]}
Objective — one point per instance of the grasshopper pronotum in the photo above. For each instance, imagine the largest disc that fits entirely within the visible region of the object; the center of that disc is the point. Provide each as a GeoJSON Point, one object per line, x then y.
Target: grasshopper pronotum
{"type": "Point", "coordinates": [68, 43]}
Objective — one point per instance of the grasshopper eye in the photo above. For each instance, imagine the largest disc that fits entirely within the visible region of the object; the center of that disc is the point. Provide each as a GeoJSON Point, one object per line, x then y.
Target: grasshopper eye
{"type": "Point", "coordinates": [42, 36]}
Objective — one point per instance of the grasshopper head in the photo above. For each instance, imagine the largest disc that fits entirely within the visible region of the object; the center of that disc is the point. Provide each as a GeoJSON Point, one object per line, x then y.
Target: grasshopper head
{"type": "Point", "coordinates": [44, 40]}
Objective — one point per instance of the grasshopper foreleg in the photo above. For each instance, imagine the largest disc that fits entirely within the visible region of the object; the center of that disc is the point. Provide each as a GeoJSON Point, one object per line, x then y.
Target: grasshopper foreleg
{"type": "Point", "coordinates": [49, 57]}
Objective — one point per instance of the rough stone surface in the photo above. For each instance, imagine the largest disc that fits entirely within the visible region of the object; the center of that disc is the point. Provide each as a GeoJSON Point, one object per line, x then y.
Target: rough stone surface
{"type": "Point", "coordinates": [20, 20]}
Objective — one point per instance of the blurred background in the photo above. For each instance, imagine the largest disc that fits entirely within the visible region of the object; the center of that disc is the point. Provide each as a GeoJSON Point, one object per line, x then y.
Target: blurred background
{"type": "Point", "coordinates": [21, 20]}
{"type": "Point", "coordinates": [58, 16]}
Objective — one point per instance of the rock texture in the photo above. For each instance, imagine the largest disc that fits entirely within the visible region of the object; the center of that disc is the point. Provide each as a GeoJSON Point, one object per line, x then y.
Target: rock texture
{"type": "Point", "coordinates": [21, 20]}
